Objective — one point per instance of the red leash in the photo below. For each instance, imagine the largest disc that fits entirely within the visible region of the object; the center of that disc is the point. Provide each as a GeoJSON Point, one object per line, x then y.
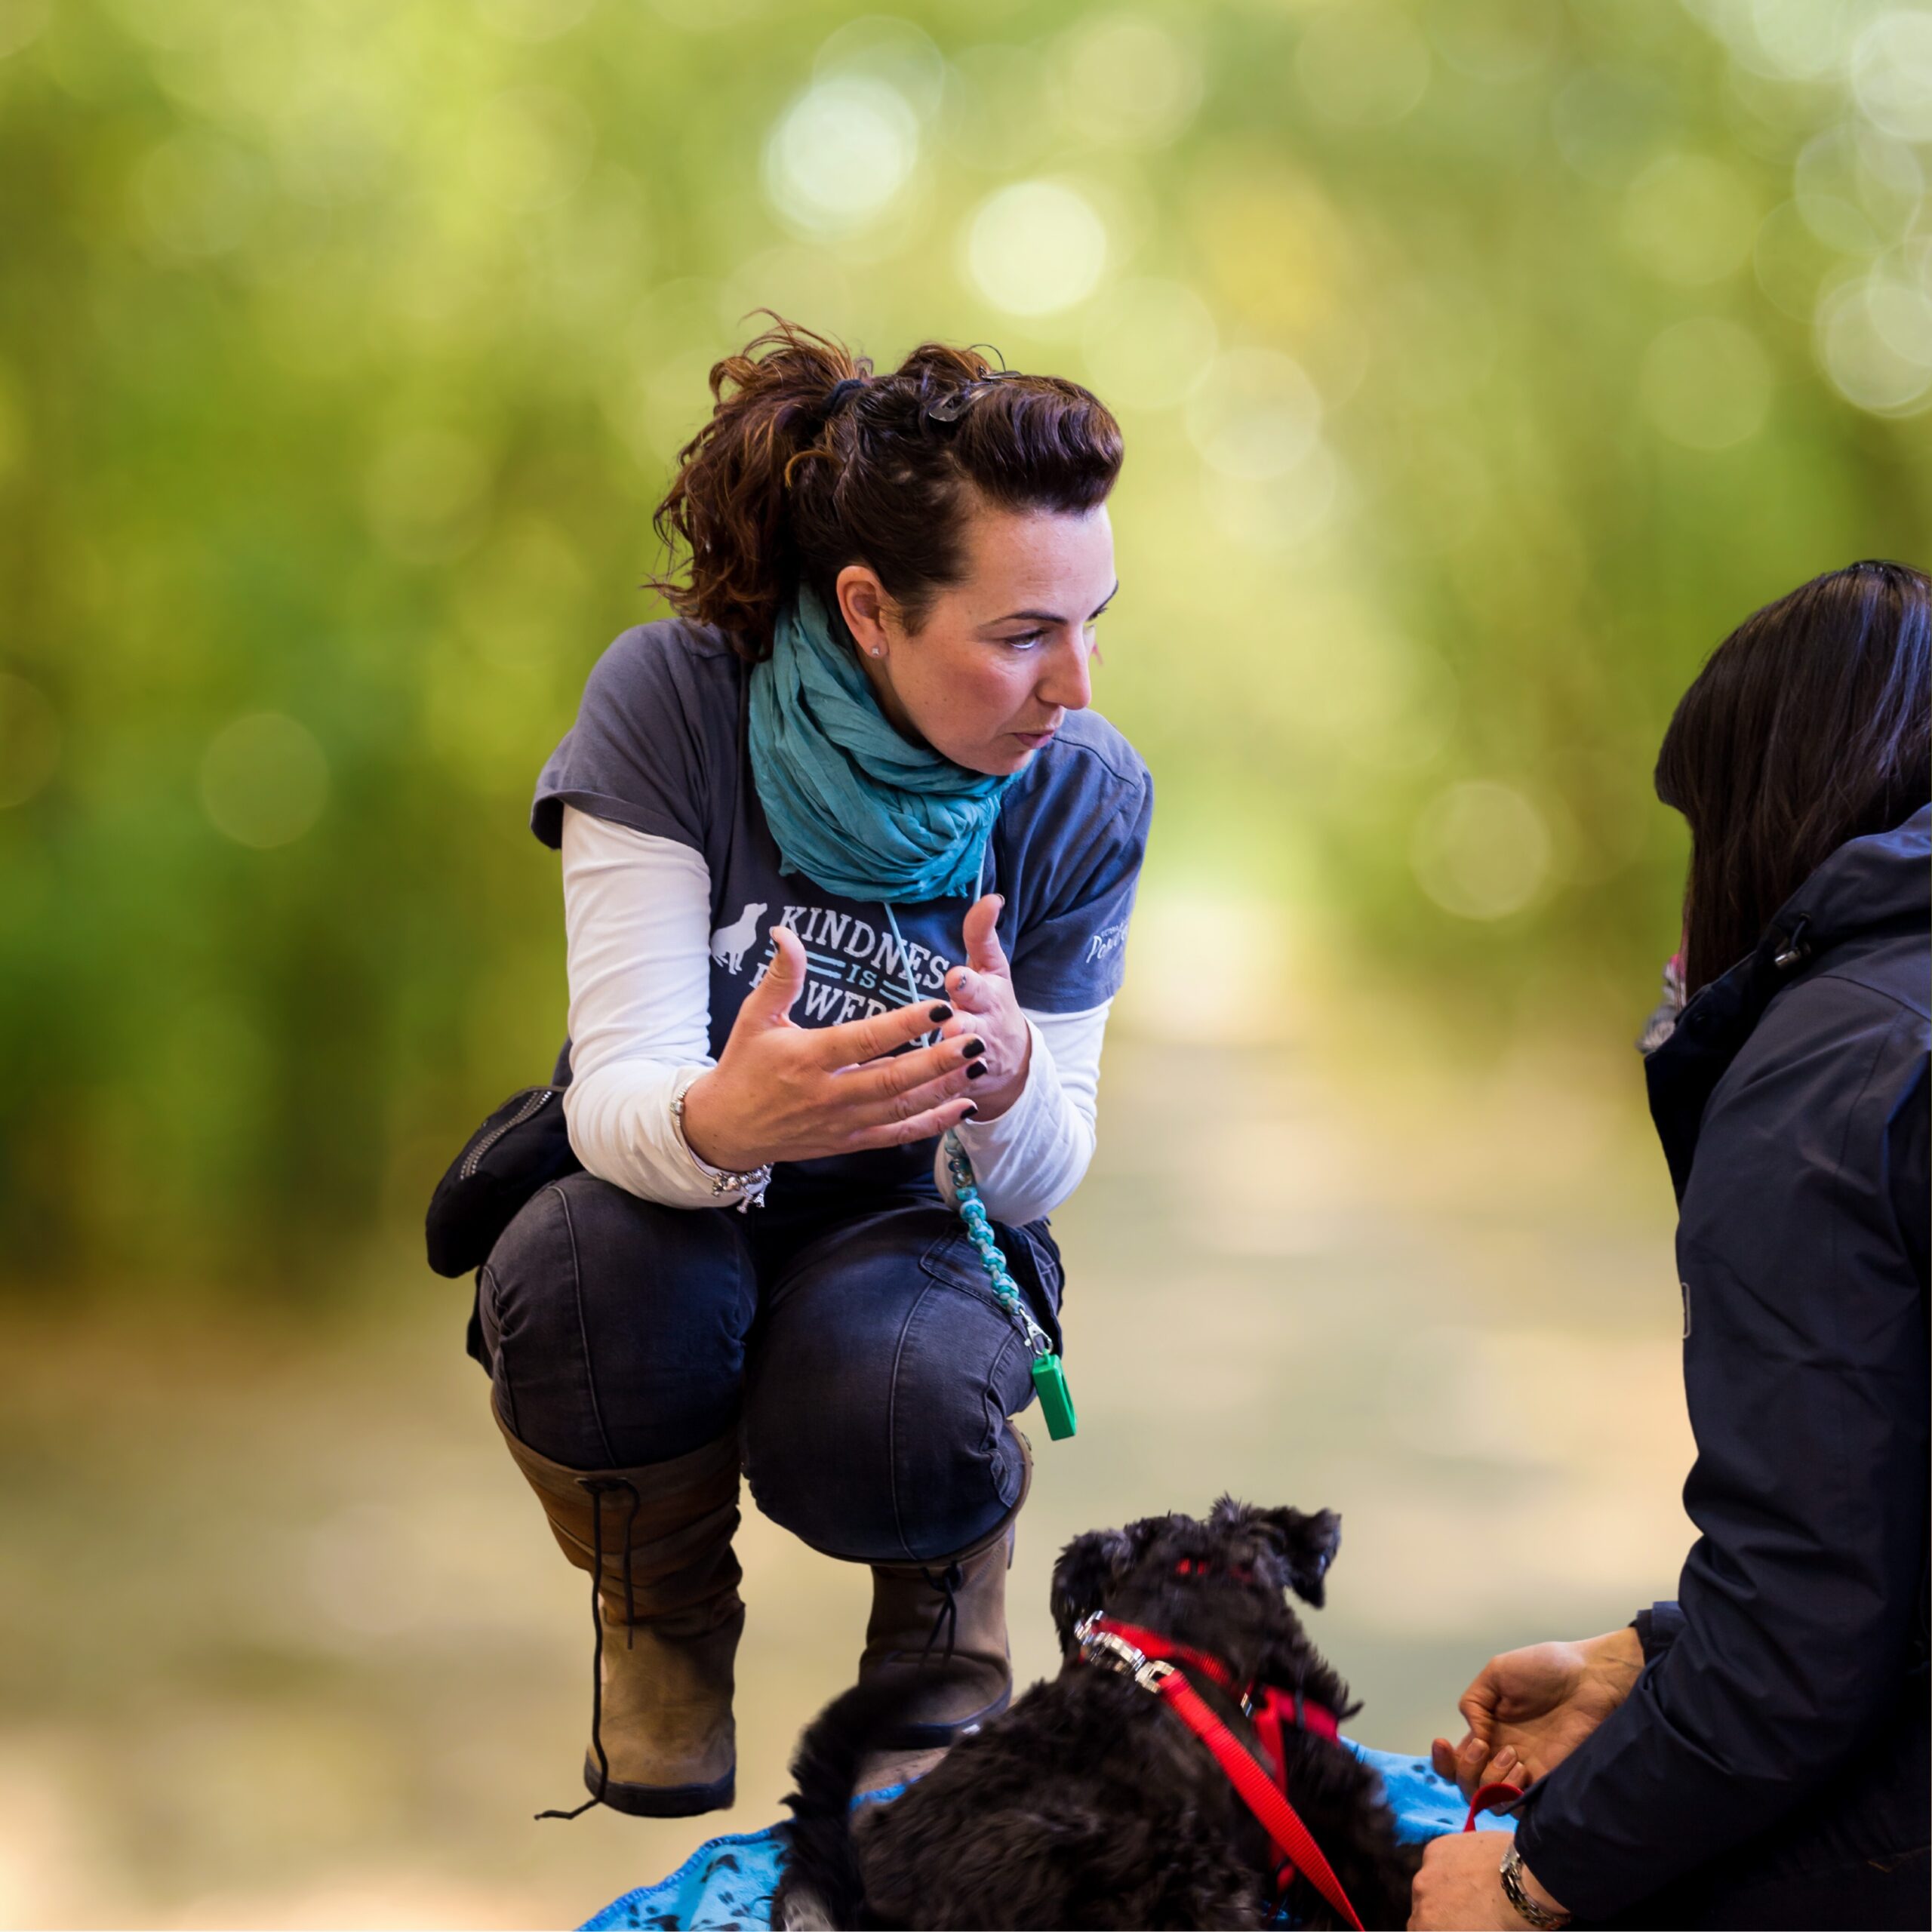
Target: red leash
{"type": "Point", "coordinates": [1152, 1660]}
{"type": "Point", "coordinates": [1258, 1792]}
{"type": "Point", "coordinates": [1491, 1797]}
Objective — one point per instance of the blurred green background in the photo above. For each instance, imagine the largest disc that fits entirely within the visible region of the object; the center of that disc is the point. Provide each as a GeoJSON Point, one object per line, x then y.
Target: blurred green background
{"type": "Point", "coordinates": [1481, 363]}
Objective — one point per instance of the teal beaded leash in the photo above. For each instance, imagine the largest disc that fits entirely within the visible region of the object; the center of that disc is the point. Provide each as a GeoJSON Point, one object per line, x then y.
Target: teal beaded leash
{"type": "Point", "coordinates": [1049, 1372]}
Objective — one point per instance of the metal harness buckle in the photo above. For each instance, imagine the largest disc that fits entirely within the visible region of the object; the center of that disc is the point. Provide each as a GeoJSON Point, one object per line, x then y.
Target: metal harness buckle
{"type": "Point", "coordinates": [1103, 1646]}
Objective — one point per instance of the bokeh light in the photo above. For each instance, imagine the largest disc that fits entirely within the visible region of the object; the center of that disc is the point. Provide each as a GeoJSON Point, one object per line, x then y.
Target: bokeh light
{"type": "Point", "coordinates": [1856, 190]}
{"type": "Point", "coordinates": [1036, 248]}
{"type": "Point", "coordinates": [1150, 343]}
{"type": "Point", "coordinates": [1689, 219]}
{"type": "Point", "coordinates": [1875, 339]}
{"type": "Point", "coordinates": [841, 153]}
{"type": "Point", "coordinates": [880, 48]}
{"type": "Point", "coordinates": [1277, 512]}
{"type": "Point", "coordinates": [1892, 73]}
{"type": "Point", "coordinates": [1706, 383]}
{"type": "Point", "coordinates": [1257, 415]}
{"type": "Point", "coordinates": [1785, 39]}
{"type": "Point", "coordinates": [1364, 64]}
{"type": "Point", "coordinates": [531, 148]}
{"type": "Point", "coordinates": [264, 780]}
{"type": "Point", "coordinates": [1129, 81]}
{"type": "Point", "coordinates": [1480, 850]}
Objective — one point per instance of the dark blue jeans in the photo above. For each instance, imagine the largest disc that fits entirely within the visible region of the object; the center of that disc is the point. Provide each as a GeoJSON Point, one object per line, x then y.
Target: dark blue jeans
{"type": "Point", "coordinates": [858, 1346]}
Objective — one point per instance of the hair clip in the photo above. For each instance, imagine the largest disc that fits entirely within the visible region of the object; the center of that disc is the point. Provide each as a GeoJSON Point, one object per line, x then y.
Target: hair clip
{"type": "Point", "coordinates": [950, 408]}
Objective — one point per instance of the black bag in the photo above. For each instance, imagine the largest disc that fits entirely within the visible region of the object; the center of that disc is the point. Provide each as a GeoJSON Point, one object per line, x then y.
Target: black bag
{"type": "Point", "coordinates": [522, 1147]}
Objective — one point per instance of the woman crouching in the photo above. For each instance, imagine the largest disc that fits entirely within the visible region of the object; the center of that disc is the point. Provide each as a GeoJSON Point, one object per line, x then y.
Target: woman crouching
{"type": "Point", "coordinates": [847, 863]}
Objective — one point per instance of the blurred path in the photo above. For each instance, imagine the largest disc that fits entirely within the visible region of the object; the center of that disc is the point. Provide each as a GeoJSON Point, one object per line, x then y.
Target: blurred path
{"type": "Point", "coordinates": [283, 1642]}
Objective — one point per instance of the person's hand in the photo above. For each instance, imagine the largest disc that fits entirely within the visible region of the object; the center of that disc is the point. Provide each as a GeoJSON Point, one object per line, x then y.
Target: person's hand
{"type": "Point", "coordinates": [986, 1006]}
{"type": "Point", "coordinates": [1537, 1705]}
{"type": "Point", "coordinates": [1459, 1887]}
{"type": "Point", "coordinates": [783, 1092]}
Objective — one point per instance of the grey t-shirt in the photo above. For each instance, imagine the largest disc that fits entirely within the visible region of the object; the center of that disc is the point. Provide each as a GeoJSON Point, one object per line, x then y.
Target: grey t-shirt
{"type": "Point", "coordinates": [660, 744]}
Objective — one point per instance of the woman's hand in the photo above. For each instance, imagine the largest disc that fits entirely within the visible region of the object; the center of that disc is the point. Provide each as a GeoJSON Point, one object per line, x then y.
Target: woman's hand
{"type": "Point", "coordinates": [1537, 1704]}
{"type": "Point", "coordinates": [783, 1092]}
{"type": "Point", "coordinates": [986, 1007]}
{"type": "Point", "coordinates": [1459, 1887]}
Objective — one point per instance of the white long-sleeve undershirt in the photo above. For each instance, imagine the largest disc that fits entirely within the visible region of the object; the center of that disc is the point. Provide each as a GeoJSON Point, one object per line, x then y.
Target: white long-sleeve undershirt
{"type": "Point", "coordinates": [637, 917]}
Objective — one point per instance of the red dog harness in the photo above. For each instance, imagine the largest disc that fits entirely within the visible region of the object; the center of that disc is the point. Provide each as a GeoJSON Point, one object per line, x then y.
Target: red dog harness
{"type": "Point", "coordinates": [1158, 1664]}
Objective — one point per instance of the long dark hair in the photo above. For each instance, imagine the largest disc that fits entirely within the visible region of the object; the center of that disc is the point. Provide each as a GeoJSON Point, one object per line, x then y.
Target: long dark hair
{"type": "Point", "coordinates": [810, 461]}
{"type": "Point", "coordinates": [1810, 724]}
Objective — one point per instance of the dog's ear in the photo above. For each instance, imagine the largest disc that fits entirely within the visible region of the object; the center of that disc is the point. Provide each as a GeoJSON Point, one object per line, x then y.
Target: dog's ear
{"type": "Point", "coordinates": [1306, 1544]}
{"type": "Point", "coordinates": [1089, 1567]}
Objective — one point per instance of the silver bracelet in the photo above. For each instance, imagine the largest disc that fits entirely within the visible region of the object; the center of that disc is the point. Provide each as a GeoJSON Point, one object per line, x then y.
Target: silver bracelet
{"type": "Point", "coordinates": [749, 1187]}
{"type": "Point", "coordinates": [1517, 1894]}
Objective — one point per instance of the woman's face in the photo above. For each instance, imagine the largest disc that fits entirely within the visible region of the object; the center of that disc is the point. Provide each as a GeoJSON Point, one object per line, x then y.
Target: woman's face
{"type": "Point", "coordinates": [1003, 655]}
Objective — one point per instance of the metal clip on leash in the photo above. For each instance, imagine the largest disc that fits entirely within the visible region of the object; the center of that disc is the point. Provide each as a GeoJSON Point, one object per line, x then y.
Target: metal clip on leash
{"type": "Point", "coordinates": [1049, 1374]}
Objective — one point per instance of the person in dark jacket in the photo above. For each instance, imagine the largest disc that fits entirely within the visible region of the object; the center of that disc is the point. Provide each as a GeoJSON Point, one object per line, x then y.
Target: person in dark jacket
{"type": "Point", "coordinates": [1755, 1753]}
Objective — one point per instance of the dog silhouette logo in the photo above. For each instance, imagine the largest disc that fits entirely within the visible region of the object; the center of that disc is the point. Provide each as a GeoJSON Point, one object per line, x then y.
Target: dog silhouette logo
{"type": "Point", "coordinates": [729, 944]}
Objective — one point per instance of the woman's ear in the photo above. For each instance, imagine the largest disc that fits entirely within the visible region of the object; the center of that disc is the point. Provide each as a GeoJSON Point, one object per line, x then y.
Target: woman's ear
{"type": "Point", "coordinates": [863, 604]}
{"type": "Point", "coordinates": [1089, 1567]}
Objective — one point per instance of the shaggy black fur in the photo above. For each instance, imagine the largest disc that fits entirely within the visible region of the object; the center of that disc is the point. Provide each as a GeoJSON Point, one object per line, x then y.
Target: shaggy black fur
{"type": "Point", "coordinates": [1087, 1803]}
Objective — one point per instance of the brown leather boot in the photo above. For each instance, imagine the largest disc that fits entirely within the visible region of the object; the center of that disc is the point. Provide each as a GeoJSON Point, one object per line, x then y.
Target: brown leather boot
{"type": "Point", "coordinates": [657, 1541]}
{"type": "Point", "coordinates": [941, 1628]}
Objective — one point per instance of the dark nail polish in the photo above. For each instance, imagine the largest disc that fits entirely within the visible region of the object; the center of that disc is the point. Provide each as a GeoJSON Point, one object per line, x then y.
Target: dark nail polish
{"type": "Point", "coordinates": [940, 1015]}
{"type": "Point", "coordinates": [972, 1111]}
{"type": "Point", "coordinates": [973, 1071]}
{"type": "Point", "coordinates": [972, 1049]}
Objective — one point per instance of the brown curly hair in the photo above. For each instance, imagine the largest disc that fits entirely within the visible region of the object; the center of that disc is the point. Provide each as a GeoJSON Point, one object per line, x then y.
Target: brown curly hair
{"type": "Point", "coordinates": [810, 462]}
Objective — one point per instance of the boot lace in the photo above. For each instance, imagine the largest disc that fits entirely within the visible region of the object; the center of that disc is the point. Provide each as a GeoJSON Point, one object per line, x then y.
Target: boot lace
{"type": "Point", "coordinates": [946, 1617]}
{"type": "Point", "coordinates": [598, 1488]}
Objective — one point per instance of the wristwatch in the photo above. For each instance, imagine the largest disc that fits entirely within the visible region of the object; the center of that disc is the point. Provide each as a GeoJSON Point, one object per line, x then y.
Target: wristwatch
{"type": "Point", "coordinates": [1517, 1894]}
{"type": "Point", "coordinates": [749, 1187]}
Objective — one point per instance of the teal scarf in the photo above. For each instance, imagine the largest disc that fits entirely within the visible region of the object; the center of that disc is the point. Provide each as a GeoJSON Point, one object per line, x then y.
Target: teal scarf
{"type": "Point", "coordinates": [853, 805]}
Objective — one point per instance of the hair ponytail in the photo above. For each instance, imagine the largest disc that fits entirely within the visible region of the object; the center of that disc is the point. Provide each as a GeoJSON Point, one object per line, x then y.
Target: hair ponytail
{"type": "Point", "coordinates": [810, 462]}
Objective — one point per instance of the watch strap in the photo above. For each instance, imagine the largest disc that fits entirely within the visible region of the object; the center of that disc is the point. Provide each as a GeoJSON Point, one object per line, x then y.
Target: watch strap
{"type": "Point", "coordinates": [1543, 1917]}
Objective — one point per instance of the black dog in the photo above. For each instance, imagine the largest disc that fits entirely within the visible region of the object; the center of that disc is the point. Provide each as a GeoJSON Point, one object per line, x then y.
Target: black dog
{"type": "Point", "coordinates": [1088, 1804]}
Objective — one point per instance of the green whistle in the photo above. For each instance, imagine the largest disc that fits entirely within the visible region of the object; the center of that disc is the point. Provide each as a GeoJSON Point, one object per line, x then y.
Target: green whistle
{"type": "Point", "coordinates": [1056, 1399]}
